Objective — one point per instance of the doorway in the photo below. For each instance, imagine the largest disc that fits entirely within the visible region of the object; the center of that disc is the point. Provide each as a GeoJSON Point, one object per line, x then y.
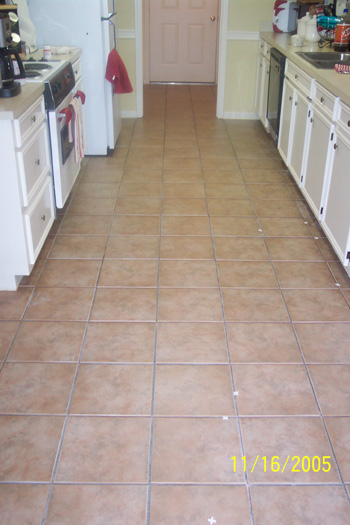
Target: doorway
{"type": "Point", "coordinates": [180, 40]}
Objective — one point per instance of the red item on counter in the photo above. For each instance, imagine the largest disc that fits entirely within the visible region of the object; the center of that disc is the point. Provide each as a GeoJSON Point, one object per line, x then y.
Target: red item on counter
{"type": "Point", "coordinates": [117, 74]}
{"type": "Point", "coordinates": [342, 68]}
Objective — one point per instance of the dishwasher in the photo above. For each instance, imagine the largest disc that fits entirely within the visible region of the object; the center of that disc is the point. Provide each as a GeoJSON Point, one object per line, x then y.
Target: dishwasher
{"type": "Point", "coordinates": [274, 99]}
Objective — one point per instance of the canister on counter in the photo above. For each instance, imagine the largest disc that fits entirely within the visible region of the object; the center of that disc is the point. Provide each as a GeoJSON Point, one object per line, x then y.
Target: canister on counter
{"type": "Point", "coordinates": [47, 53]}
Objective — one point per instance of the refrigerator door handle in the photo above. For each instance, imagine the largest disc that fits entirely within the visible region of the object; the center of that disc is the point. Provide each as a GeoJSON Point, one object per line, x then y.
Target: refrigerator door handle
{"type": "Point", "coordinates": [110, 15]}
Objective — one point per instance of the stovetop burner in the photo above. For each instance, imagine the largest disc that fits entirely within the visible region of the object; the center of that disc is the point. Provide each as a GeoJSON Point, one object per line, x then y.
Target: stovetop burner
{"type": "Point", "coordinates": [41, 71]}
{"type": "Point", "coordinates": [31, 73]}
{"type": "Point", "coordinates": [36, 66]}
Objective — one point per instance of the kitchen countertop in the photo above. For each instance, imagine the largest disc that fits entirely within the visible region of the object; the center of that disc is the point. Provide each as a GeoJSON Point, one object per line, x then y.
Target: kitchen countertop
{"type": "Point", "coordinates": [12, 108]}
{"type": "Point", "coordinates": [336, 83]}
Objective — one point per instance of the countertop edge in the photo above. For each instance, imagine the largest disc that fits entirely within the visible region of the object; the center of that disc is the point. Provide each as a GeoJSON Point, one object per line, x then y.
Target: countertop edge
{"type": "Point", "coordinates": [336, 83]}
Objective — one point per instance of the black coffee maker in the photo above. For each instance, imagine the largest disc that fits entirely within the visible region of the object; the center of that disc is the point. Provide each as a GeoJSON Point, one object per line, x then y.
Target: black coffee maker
{"type": "Point", "coordinates": [9, 88]}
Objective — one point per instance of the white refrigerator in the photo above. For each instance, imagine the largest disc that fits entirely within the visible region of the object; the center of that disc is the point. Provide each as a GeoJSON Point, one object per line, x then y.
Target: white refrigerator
{"type": "Point", "coordinates": [92, 26]}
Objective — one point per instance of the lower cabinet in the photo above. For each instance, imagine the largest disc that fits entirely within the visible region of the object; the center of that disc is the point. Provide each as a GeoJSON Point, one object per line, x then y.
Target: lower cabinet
{"type": "Point", "coordinates": [300, 137]}
{"type": "Point", "coordinates": [336, 221]}
{"type": "Point", "coordinates": [286, 128]}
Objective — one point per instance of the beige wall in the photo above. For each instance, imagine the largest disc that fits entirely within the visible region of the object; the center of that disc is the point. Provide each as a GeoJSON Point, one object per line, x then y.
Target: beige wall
{"type": "Point", "coordinates": [241, 59]}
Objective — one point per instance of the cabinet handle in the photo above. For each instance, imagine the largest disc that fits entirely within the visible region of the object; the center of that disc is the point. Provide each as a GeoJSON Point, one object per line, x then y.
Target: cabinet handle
{"type": "Point", "coordinates": [295, 103]}
{"type": "Point", "coordinates": [290, 98]}
{"type": "Point", "coordinates": [37, 162]}
{"type": "Point", "coordinates": [322, 100]}
{"type": "Point", "coordinates": [335, 146]}
{"type": "Point", "coordinates": [349, 123]}
{"type": "Point", "coordinates": [43, 217]}
{"type": "Point", "coordinates": [296, 77]}
{"type": "Point", "coordinates": [33, 119]}
{"type": "Point", "coordinates": [311, 120]}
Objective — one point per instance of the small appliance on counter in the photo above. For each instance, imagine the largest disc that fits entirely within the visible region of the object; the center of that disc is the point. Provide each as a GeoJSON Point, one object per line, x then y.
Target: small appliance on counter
{"type": "Point", "coordinates": [9, 88]}
{"type": "Point", "coordinates": [285, 14]}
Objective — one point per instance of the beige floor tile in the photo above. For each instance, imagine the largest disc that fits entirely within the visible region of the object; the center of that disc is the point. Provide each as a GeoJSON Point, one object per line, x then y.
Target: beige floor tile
{"type": "Point", "coordinates": [28, 447]}
{"type": "Point", "coordinates": [185, 225]}
{"type": "Point", "coordinates": [276, 208]}
{"type": "Point", "coordinates": [191, 342]}
{"type": "Point", "coordinates": [85, 224]}
{"type": "Point", "coordinates": [194, 450]}
{"type": "Point", "coordinates": [254, 305]}
{"type": "Point", "coordinates": [8, 330]}
{"type": "Point", "coordinates": [135, 225]}
{"type": "Point", "coordinates": [263, 177]}
{"type": "Point", "coordinates": [97, 190]}
{"type": "Point", "coordinates": [142, 176]}
{"type": "Point", "coordinates": [60, 304]}
{"type": "Point", "coordinates": [188, 190]}
{"type": "Point", "coordinates": [182, 176]}
{"type": "Point", "coordinates": [221, 163]}
{"type": "Point", "coordinates": [119, 342]}
{"type": "Point", "coordinates": [45, 388]}
{"type": "Point", "coordinates": [258, 164]}
{"type": "Point", "coordinates": [246, 275]}
{"type": "Point", "coordinates": [129, 273]}
{"type": "Point", "coordinates": [188, 274]}
{"type": "Point", "coordinates": [183, 152]}
{"type": "Point", "coordinates": [179, 163]}
{"type": "Point", "coordinates": [125, 304]}
{"type": "Point", "coordinates": [124, 441]}
{"type": "Point", "coordinates": [194, 398]}
{"type": "Point", "coordinates": [185, 207]}
{"type": "Point", "coordinates": [284, 227]}
{"type": "Point", "coordinates": [332, 388]}
{"type": "Point", "coordinates": [139, 189]}
{"type": "Point", "coordinates": [299, 504]}
{"type": "Point", "coordinates": [230, 207]}
{"type": "Point", "coordinates": [304, 275]}
{"type": "Point", "coordinates": [178, 504]}
{"type": "Point", "coordinates": [48, 341]}
{"type": "Point", "coordinates": [235, 226]}
{"type": "Point", "coordinates": [316, 305]}
{"type": "Point", "coordinates": [340, 274]}
{"type": "Point", "coordinates": [78, 247]}
{"type": "Point", "coordinates": [286, 437]}
{"type": "Point", "coordinates": [339, 432]}
{"type": "Point", "coordinates": [324, 343]}
{"type": "Point", "coordinates": [226, 191]}
{"type": "Point", "coordinates": [240, 248]}
{"type": "Point", "coordinates": [133, 246]}
{"type": "Point", "coordinates": [189, 304]}
{"type": "Point", "coordinates": [273, 389]}
{"type": "Point", "coordinates": [113, 389]}
{"type": "Point", "coordinates": [326, 250]}
{"type": "Point", "coordinates": [69, 272]}
{"type": "Point", "coordinates": [13, 305]}
{"type": "Point", "coordinates": [97, 503]}
{"type": "Point", "coordinates": [186, 247]}
{"type": "Point", "coordinates": [289, 249]}
{"type": "Point", "coordinates": [223, 177]}
{"type": "Point", "coordinates": [135, 151]}
{"type": "Point", "coordinates": [138, 206]}
{"type": "Point", "coordinates": [262, 343]}
{"type": "Point", "coordinates": [269, 191]}
{"type": "Point", "coordinates": [22, 503]}
{"type": "Point", "coordinates": [142, 163]}
{"type": "Point", "coordinates": [92, 206]}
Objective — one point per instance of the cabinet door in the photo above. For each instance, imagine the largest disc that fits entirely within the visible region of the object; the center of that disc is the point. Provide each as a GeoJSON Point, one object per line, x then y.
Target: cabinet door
{"type": "Point", "coordinates": [258, 92]}
{"type": "Point", "coordinates": [286, 121]}
{"type": "Point", "coordinates": [299, 136]}
{"type": "Point", "coordinates": [337, 209]}
{"type": "Point", "coordinates": [265, 90]}
{"type": "Point", "coordinates": [317, 162]}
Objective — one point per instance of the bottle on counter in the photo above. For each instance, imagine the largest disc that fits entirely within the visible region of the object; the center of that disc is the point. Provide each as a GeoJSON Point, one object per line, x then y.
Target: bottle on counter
{"type": "Point", "coordinates": [47, 53]}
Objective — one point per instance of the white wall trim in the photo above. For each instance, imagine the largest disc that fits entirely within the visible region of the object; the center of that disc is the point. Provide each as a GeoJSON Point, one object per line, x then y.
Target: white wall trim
{"type": "Point", "coordinates": [127, 33]}
{"type": "Point", "coordinates": [139, 58]}
{"type": "Point", "coordinates": [222, 59]}
{"type": "Point", "coordinates": [240, 116]}
{"type": "Point", "coordinates": [243, 35]}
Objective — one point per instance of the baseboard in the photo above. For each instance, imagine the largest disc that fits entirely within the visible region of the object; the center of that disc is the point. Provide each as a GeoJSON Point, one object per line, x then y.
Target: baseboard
{"type": "Point", "coordinates": [240, 116]}
{"type": "Point", "coordinates": [129, 114]}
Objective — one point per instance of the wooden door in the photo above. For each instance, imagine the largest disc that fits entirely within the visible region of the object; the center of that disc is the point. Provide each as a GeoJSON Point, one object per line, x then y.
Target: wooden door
{"type": "Point", "coordinates": [183, 40]}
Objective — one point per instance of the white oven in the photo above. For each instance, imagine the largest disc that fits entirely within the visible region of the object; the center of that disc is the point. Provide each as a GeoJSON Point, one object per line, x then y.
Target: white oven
{"type": "Point", "coordinates": [60, 89]}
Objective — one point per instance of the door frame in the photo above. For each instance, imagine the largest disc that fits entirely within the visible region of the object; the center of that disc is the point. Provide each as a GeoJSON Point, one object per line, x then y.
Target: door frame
{"type": "Point", "coordinates": [141, 12]}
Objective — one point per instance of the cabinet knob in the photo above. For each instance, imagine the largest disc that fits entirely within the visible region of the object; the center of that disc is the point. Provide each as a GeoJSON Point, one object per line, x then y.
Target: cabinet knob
{"type": "Point", "coordinates": [296, 77]}
{"type": "Point", "coordinates": [37, 162]}
{"type": "Point", "coordinates": [33, 119]}
{"type": "Point", "coordinates": [290, 98]}
{"type": "Point", "coordinates": [43, 217]}
{"type": "Point", "coordinates": [335, 146]}
{"type": "Point", "coordinates": [311, 120]}
{"type": "Point", "coordinates": [349, 123]}
{"type": "Point", "coordinates": [322, 100]}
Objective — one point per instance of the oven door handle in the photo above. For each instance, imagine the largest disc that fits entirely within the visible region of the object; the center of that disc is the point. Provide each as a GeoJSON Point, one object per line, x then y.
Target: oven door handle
{"type": "Point", "coordinates": [62, 116]}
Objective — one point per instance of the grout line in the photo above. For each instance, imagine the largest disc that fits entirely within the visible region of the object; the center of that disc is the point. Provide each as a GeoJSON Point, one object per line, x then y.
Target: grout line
{"type": "Point", "coordinates": [67, 415]}
{"type": "Point", "coordinates": [239, 428]}
{"type": "Point", "coordinates": [302, 357]}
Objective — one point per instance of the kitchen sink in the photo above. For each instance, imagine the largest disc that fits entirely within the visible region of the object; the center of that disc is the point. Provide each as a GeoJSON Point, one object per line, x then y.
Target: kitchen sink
{"type": "Point", "coordinates": [326, 60]}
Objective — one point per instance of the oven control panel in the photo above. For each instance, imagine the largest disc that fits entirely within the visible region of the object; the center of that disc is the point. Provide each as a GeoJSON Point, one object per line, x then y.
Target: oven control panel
{"type": "Point", "coordinates": [58, 87]}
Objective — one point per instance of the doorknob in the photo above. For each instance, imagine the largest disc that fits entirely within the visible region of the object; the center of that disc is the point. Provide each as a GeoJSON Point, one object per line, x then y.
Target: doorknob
{"type": "Point", "coordinates": [212, 18]}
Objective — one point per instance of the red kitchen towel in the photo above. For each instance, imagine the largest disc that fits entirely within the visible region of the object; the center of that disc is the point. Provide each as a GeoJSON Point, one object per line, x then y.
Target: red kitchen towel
{"type": "Point", "coordinates": [117, 74]}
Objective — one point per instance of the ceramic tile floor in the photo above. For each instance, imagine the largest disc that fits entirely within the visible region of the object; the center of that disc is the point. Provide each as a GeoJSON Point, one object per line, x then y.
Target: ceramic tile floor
{"type": "Point", "coordinates": [186, 309]}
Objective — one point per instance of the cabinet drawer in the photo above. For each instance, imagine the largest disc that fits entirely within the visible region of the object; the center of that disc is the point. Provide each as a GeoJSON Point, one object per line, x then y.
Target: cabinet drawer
{"type": "Point", "coordinates": [33, 163]}
{"type": "Point", "coordinates": [38, 219]}
{"type": "Point", "coordinates": [77, 69]}
{"type": "Point", "coordinates": [29, 121]}
{"type": "Point", "coordinates": [326, 101]}
{"type": "Point", "coordinates": [344, 117]}
{"type": "Point", "coordinates": [267, 50]}
{"type": "Point", "coordinates": [304, 82]}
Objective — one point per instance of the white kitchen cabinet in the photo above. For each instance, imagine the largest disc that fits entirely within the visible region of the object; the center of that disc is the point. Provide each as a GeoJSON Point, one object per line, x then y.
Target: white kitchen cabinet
{"type": "Point", "coordinates": [26, 192]}
{"type": "Point", "coordinates": [336, 220]}
{"type": "Point", "coordinates": [286, 129]}
{"type": "Point", "coordinates": [262, 84]}
{"type": "Point", "coordinates": [300, 137]}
